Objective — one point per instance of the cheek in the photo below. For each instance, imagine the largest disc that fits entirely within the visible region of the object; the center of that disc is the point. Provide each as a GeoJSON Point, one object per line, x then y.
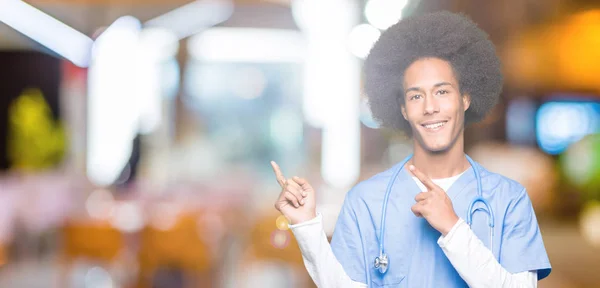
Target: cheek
{"type": "Point", "coordinates": [411, 113]}
{"type": "Point", "coordinates": [450, 106]}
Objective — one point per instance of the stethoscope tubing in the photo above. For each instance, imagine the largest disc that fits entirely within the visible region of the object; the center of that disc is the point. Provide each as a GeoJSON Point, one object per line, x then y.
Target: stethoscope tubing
{"type": "Point", "coordinates": [478, 198]}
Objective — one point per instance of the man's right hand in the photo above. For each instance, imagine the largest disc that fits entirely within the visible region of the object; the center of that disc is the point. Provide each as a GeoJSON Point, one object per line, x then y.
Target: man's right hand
{"type": "Point", "coordinates": [297, 199]}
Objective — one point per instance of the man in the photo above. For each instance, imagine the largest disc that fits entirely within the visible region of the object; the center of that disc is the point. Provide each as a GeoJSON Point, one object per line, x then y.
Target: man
{"type": "Point", "coordinates": [427, 76]}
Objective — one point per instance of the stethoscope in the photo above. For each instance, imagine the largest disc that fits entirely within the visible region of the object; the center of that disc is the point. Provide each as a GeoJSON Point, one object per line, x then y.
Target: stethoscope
{"type": "Point", "coordinates": [382, 261]}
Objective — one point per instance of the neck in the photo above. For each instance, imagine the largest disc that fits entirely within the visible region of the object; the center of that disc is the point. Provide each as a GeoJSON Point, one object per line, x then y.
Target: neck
{"type": "Point", "coordinates": [444, 164]}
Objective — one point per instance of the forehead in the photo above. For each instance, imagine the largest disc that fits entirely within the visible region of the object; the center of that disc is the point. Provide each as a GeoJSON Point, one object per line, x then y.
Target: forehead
{"type": "Point", "coordinates": [427, 72]}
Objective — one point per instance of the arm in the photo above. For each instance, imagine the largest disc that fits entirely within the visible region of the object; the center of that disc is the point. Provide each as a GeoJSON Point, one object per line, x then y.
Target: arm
{"type": "Point", "coordinates": [522, 246]}
{"type": "Point", "coordinates": [297, 203]}
{"type": "Point", "coordinates": [321, 264]}
{"type": "Point", "coordinates": [476, 264]}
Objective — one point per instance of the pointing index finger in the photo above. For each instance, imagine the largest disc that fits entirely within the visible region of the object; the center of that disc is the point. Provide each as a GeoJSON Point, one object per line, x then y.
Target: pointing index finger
{"type": "Point", "coordinates": [423, 178]}
{"type": "Point", "coordinates": [278, 174]}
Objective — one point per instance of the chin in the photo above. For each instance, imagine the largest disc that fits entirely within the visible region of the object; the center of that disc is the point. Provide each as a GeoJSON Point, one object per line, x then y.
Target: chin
{"type": "Point", "coordinates": [434, 144]}
{"type": "Point", "coordinates": [437, 148]}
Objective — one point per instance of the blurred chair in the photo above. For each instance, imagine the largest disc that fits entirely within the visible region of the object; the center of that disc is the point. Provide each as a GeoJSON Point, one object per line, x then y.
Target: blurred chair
{"type": "Point", "coordinates": [3, 254]}
{"type": "Point", "coordinates": [267, 243]}
{"type": "Point", "coordinates": [95, 241]}
{"type": "Point", "coordinates": [174, 253]}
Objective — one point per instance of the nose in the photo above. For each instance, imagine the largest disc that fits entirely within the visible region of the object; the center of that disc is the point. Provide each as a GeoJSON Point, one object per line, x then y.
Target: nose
{"type": "Point", "coordinates": [431, 105]}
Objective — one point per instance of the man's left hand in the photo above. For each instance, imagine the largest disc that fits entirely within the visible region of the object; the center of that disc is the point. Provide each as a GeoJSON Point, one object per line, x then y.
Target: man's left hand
{"type": "Point", "coordinates": [434, 205]}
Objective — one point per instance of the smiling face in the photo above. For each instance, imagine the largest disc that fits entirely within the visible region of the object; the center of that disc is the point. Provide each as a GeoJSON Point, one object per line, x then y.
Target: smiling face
{"type": "Point", "coordinates": [433, 104]}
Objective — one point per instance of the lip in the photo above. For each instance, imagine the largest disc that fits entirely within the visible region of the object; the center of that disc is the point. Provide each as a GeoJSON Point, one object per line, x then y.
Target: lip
{"type": "Point", "coordinates": [434, 122]}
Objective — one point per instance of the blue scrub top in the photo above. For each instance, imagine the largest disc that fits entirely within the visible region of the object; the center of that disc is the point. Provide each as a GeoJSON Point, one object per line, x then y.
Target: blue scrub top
{"type": "Point", "coordinates": [415, 258]}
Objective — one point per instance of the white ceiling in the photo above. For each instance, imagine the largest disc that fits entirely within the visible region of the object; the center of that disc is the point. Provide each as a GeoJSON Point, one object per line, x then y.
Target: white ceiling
{"type": "Point", "coordinates": [89, 18]}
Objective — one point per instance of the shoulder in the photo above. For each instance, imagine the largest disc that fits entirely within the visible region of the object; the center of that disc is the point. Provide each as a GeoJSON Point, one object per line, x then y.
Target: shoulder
{"type": "Point", "coordinates": [500, 185]}
{"type": "Point", "coordinates": [372, 188]}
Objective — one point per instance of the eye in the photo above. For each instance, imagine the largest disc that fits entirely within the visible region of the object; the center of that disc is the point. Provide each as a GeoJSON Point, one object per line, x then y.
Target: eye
{"type": "Point", "coordinates": [442, 92]}
{"type": "Point", "coordinates": [415, 97]}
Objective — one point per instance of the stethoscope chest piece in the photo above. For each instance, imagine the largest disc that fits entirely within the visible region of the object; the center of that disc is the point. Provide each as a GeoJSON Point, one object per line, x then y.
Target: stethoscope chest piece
{"type": "Point", "coordinates": [381, 263]}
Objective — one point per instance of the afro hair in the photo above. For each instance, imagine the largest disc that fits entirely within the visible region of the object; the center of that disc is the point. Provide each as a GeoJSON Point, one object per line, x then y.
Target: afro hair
{"type": "Point", "coordinates": [444, 35]}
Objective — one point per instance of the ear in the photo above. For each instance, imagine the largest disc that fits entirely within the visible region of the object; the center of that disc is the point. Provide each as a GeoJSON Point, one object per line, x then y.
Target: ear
{"type": "Point", "coordinates": [403, 109]}
{"type": "Point", "coordinates": [466, 101]}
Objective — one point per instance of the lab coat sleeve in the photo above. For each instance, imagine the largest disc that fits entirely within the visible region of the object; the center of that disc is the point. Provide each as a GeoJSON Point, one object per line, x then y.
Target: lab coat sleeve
{"type": "Point", "coordinates": [320, 262]}
{"type": "Point", "coordinates": [522, 245]}
{"type": "Point", "coordinates": [476, 264]}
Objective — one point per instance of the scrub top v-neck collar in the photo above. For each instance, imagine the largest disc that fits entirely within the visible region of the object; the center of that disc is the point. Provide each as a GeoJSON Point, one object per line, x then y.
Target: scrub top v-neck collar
{"type": "Point", "coordinates": [455, 189]}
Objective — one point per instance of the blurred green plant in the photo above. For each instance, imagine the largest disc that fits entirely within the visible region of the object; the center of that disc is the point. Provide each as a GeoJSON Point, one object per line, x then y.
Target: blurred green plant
{"type": "Point", "coordinates": [35, 140]}
{"type": "Point", "coordinates": [580, 164]}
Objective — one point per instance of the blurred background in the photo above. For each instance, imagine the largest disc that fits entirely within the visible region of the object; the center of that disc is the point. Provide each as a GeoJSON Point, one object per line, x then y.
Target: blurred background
{"type": "Point", "coordinates": [135, 136]}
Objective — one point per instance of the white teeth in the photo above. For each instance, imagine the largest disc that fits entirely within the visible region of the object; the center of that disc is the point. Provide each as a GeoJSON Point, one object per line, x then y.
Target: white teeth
{"type": "Point", "coordinates": [435, 125]}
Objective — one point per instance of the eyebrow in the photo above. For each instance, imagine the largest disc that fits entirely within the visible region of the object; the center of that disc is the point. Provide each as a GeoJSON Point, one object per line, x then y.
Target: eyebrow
{"type": "Point", "coordinates": [434, 86]}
